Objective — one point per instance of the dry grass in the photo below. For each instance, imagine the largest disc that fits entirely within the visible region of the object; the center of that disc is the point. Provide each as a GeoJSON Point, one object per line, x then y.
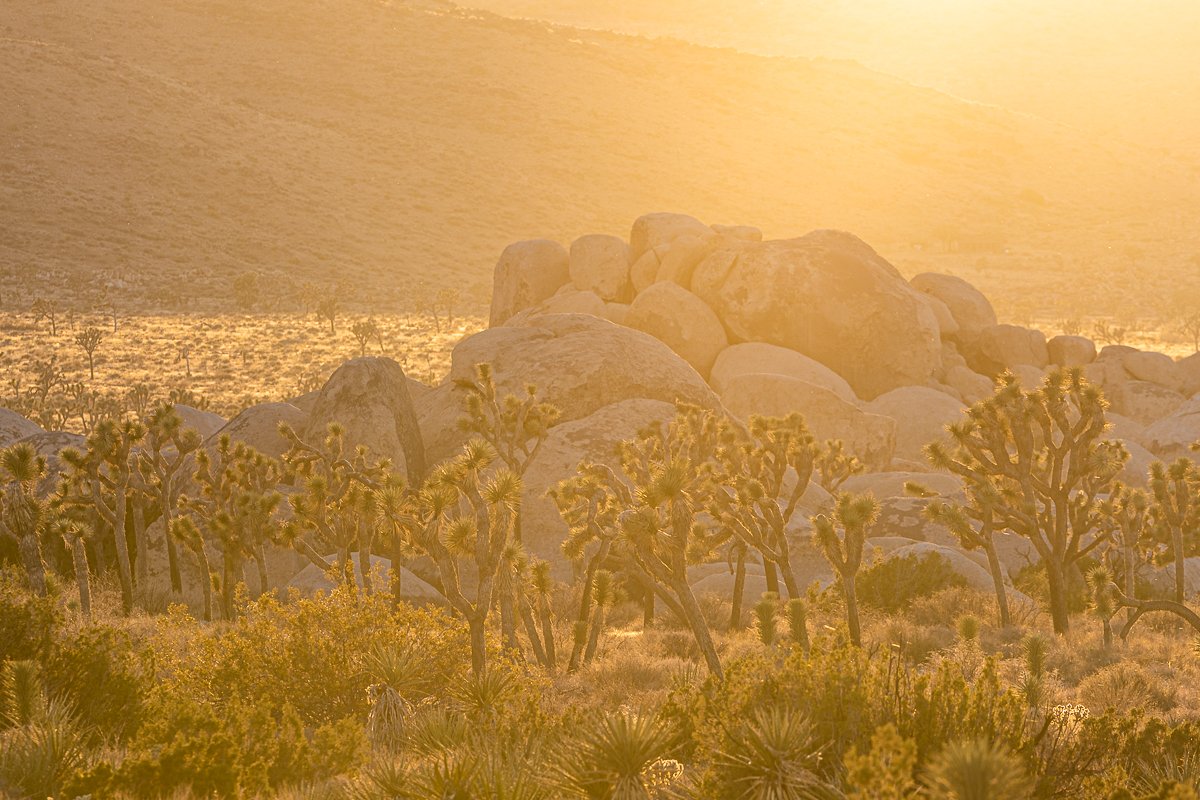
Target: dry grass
{"type": "Point", "coordinates": [236, 359]}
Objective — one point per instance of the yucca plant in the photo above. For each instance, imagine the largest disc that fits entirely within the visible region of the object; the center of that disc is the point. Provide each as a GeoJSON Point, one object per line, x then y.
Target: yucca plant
{"type": "Point", "coordinates": [797, 613]}
{"type": "Point", "coordinates": [22, 512]}
{"type": "Point", "coordinates": [610, 757]}
{"type": "Point", "coordinates": [977, 770]}
{"type": "Point", "coordinates": [764, 613]}
{"type": "Point", "coordinates": [773, 756]}
{"type": "Point", "coordinates": [21, 697]}
{"type": "Point", "coordinates": [37, 758]}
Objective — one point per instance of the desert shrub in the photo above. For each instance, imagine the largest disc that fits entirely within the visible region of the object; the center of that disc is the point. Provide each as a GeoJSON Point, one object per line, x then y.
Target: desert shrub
{"type": "Point", "coordinates": [40, 756]}
{"type": "Point", "coordinates": [105, 675]}
{"type": "Point", "coordinates": [242, 751]}
{"type": "Point", "coordinates": [1032, 580]}
{"type": "Point", "coordinates": [944, 607]}
{"type": "Point", "coordinates": [313, 654]}
{"type": "Point", "coordinates": [27, 622]}
{"type": "Point", "coordinates": [891, 584]}
{"type": "Point", "coordinates": [1125, 686]}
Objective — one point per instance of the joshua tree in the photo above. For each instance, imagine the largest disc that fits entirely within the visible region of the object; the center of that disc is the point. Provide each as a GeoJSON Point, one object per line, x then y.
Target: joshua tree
{"type": "Point", "coordinates": [1189, 326]}
{"type": "Point", "coordinates": [364, 331]}
{"type": "Point", "coordinates": [185, 355]}
{"type": "Point", "coordinates": [756, 492]}
{"type": "Point", "coordinates": [337, 502]}
{"type": "Point", "coordinates": [669, 469]}
{"type": "Point", "coordinates": [236, 507]}
{"type": "Point", "coordinates": [74, 537]}
{"type": "Point", "coordinates": [1040, 457]}
{"type": "Point", "coordinates": [973, 522]}
{"type": "Point", "coordinates": [24, 515]}
{"type": "Point", "coordinates": [853, 516]}
{"type": "Point", "coordinates": [45, 310]}
{"type": "Point", "coordinates": [462, 516]}
{"type": "Point", "coordinates": [161, 463]}
{"type": "Point", "coordinates": [89, 340]}
{"type": "Point", "coordinates": [835, 466]}
{"type": "Point", "coordinates": [101, 477]}
{"type": "Point", "coordinates": [1176, 510]}
{"type": "Point", "coordinates": [1128, 515]}
{"type": "Point", "coordinates": [328, 308]}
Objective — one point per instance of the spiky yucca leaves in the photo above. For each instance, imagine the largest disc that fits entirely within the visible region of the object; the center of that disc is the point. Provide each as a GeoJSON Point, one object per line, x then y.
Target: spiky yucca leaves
{"type": "Point", "coordinates": [1039, 458]}
{"type": "Point", "coordinates": [235, 508]}
{"type": "Point", "coordinates": [1176, 512]}
{"type": "Point", "coordinates": [160, 472]}
{"type": "Point", "coordinates": [21, 698]}
{"type": "Point", "coordinates": [772, 756]}
{"type": "Point", "coordinates": [757, 487]}
{"type": "Point", "coordinates": [766, 612]}
{"type": "Point", "coordinates": [338, 503]}
{"type": "Point", "coordinates": [1034, 650]}
{"type": "Point", "coordinates": [462, 518]}
{"type": "Point", "coordinates": [977, 771]}
{"type": "Point", "coordinates": [24, 515]}
{"type": "Point", "coordinates": [38, 757]}
{"type": "Point", "coordinates": [99, 480]}
{"type": "Point", "coordinates": [853, 516]}
{"type": "Point", "coordinates": [613, 757]}
{"type": "Point", "coordinates": [797, 614]}
{"type": "Point", "coordinates": [1102, 599]}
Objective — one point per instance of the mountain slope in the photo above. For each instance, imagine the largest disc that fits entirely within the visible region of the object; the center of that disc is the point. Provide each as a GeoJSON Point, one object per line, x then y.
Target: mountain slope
{"type": "Point", "coordinates": [179, 144]}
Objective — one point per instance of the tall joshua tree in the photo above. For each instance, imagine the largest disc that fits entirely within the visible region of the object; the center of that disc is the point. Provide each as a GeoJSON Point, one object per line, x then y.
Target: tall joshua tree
{"type": "Point", "coordinates": [162, 463]}
{"type": "Point", "coordinates": [1176, 510]}
{"type": "Point", "coordinates": [756, 493]}
{"type": "Point", "coordinates": [853, 517]}
{"type": "Point", "coordinates": [669, 468]}
{"type": "Point", "coordinates": [23, 515]}
{"type": "Point", "coordinates": [1042, 457]}
{"type": "Point", "coordinates": [973, 522]}
{"type": "Point", "coordinates": [462, 518]}
{"type": "Point", "coordinates": [89, 340]}
{"type": "Point", "coordinates": [102, 477]}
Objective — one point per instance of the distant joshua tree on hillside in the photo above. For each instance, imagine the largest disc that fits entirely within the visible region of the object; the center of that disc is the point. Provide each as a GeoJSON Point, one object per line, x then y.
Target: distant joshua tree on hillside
{"type": "Point", "coordinates": [89, 341]}
{"type": "Point", "coordinates": [46, 310]}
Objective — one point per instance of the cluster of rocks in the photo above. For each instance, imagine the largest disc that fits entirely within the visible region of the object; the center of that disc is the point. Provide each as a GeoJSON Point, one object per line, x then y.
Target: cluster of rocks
{"type": "Point", "coordinates": [614, 332]}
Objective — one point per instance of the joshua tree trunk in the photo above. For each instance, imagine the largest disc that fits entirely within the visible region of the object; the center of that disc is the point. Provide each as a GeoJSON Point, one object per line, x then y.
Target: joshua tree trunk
{"type": "Point", "coordinates": [548, 633]}
{"type": "Point", "coordinates": [594, 634]}
{"type": "Point", "coordinates": [82, 577]}
{"type": "Point", "coordinates": [997, 571]}
{"type": "Point", "coordinates": [31, 554]}
{"type": "Point", "coordinates": [851, 594]}
{"type": "Point", "coordinates": [535, 639]}
{"type": "Point", "coordinates": [141, 544]}
{"type": "Point", "coordinates": [1130, 576]}
{"type": "Point", "coordinates": [397, 587]}
{"type": "Point", "coordinates": [475, 621]}
{"type": "Point", "coordinates": [1180, 575]}
{"type": "Point", "coordinates": [695, 620]}
{"type": "Point", "coordinates": [206, 581]}
{"type": "Point", "coordinates": [364, 565]}
{"type": "Point", "coordinates": [739, 589]}
{"type": "Point", "coordinates": [772, 575]}
{"type": "Point", "coordinates": [173, 562]}
{"type": "Point", "coordinates": [1059, 612]}
{"type": "Point", "coordinates": [124, 568]}
{"type": "Point", "coordinates": [233, 575]}
{"type": "Point", "coordinates": [260, 561]}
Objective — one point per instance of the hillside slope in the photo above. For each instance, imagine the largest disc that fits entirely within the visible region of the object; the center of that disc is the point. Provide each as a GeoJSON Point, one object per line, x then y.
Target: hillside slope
{"type": "Point", "coordinates": [178, 144]}
{"type": "Point", "coordinates": [1123, 68]}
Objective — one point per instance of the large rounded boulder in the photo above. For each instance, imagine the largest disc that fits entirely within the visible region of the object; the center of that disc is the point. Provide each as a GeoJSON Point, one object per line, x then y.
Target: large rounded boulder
{"type": "Point", "coordinates": [831, 297]}
{"type": "Point", "coordinates": [652, 230]}
{"type": "Point", "coordinates": [871, 437]}
{"type": "Point", "coordinates": [526, 274]}
{"type": "Point", "coordinates": [578, 363]}
{"type": "Point", "coordinates": [13, 427]}
{"type": "Point", "coordinates": [682, 321]}
{"type": "Point", "coordinates": [258, 427]}
{"type": "Point", "coordinates": [369, 398]}
{"type": "Point", "coordinates": [921, 415]}
{"type": "Point", "coordinates": [600, 263]}
{"type": "Point", "coordinates": [972, 311]}
{"type": "Point", "coordinates": [748, 358]}
{"type": "Point", "coordinates": [1002, 347]}
{"type": "Point", "coordinates": [1173, 436]}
